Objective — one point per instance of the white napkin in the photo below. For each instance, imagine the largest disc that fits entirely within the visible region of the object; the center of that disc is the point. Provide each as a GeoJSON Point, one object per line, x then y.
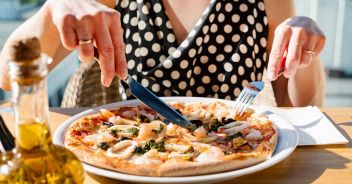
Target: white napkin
{"type": "Point", "coordinates": [313, 127]}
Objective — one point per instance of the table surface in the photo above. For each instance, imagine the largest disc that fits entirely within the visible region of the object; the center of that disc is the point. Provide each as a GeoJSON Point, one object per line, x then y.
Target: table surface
{"type": "Point", "coordinates": [308, 164]}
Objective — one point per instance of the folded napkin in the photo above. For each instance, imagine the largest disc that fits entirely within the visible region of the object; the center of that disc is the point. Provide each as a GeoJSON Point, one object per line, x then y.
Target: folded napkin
{"type": "Point", "coordinates": [313, 127]}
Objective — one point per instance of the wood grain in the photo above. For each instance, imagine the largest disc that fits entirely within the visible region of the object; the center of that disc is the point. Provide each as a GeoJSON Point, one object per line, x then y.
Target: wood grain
{"type": "Point", "coordinates": [309, 164]}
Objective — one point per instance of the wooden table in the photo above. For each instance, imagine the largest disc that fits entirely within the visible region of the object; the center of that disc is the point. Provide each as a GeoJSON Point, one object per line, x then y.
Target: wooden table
{"type": "Point", "coordinates": [309, 164]}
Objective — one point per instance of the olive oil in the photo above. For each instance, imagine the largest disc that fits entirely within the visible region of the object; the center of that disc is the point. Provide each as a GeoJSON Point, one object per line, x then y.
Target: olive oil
{"type": "Point", "coordinates": [36, 160]}
{"type": "Point", "coordinates": [5, 165]}
{"type": "Point", "coordinates": [39, 161]}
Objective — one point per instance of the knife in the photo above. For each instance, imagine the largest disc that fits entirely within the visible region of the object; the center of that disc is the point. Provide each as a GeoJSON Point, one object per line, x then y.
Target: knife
{"type": "Point", "coordinates": [154, 102]}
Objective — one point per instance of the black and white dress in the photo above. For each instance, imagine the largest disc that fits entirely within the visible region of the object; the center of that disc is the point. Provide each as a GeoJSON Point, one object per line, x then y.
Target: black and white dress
{"type": "Point", "coordinates": [224, 51]}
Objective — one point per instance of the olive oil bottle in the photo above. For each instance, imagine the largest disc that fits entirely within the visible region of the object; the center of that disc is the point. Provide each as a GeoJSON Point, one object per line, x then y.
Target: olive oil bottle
{"type": "Point", "coordinates": [36, 159]}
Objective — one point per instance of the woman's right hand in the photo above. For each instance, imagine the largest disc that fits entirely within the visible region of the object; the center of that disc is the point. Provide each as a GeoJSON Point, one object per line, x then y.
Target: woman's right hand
{"type": "Point", "coordinates": [90, 20]}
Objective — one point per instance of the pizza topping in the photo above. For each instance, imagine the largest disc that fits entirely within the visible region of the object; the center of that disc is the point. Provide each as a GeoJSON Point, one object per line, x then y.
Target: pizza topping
{"type": "Point", "coordinates": [254, 135]}
{"type": "Point", "coordinates": [212, 154]}
{"type": "Point", "coordinates": [122, 149]}
{"type": "Point", "coordinates": [158, 129]}
{"type": "Point", "coordinates": [179, 148]}
{"type": "Point", "coordinates": [200, 132]}
{"type": "Point", "coordinates": [109, 124]}
{"type": "Point", "coordinates": [208, 139]}
{"type": "Point", "coordinates": [150, 144]}
{"type": "Point", "coordinates": [197, 122]}
{"type": "Point", "coordinates": [214, 125]}
{"type": "Point", "coordinates": [234, 127]}
{"type": "Point", "coordinates": [185, 156]}
{"type": "Point", "coordinates": [142, 119]}
{"type": "Point", "coordinates": [95, 138]}
{"type": "Point", "coordinates": [149, 130]}
{"type": "Point", "coordinates": [103, 145]}
{"type": "Point", "coordinates": [268, 137]}
{"type": "Point", "coordinates": [124, 130]}
{"type": "Point", "coordinates": [231, 137]}
{"type": "Point", "coordinates": [106, 113]}
{"type": "Point", "coordinates": [238, 141]}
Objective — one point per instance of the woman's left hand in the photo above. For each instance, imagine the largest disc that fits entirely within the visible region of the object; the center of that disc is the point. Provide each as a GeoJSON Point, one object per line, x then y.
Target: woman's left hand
{"type": "Point", "coordinates": [297, 42]}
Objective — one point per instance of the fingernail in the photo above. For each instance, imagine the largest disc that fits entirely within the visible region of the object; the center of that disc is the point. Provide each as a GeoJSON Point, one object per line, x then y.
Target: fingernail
{"type": "Point", "coordinates": [271, 75]}
{"type": "Point", "coordinates": [105, 81]}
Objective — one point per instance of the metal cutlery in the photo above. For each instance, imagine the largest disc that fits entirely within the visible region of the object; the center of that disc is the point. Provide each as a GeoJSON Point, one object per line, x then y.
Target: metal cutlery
{"type": "Point", "coordinates": [154, 102]}
{"type": "Point", "coordinates": [6, 138]}
{"type": "Point", "coordinates": [246, 97]}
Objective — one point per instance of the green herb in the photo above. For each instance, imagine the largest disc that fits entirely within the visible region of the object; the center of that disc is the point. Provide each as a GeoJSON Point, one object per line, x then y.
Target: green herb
{"type": "Point", "coordinates": [133, 131]}
{"type": "Point", "coordinates": [142, 119]}
{"type": "Point", "coordinates": [103, 145]}
{"type": "Point", "coordinates": [150, 144]}
{"type": "Point", "coordinates": [139, 151]}
{"type": "Point", "coordinates": [158, 129]}
{"type": "Point", "coordinates": [113, 132]}
{"type": "Point", "coordinates": [214, 125]}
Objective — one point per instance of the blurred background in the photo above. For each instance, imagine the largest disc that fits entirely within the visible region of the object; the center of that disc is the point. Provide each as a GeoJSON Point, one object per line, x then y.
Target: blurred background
{"type": "Point", "coordinates": [334, 17]}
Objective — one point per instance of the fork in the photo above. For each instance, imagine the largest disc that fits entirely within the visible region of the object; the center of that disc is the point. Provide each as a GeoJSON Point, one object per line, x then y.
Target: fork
{"type": "Point", "coordinates": [6, 138]}
{"type": "Point", "coordinates": [247, 96]}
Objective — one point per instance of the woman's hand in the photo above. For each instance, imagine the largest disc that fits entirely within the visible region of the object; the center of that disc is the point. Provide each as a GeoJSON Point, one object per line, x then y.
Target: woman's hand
{"type": "Point", "coordinates": [297, 42]}
{"type": "Point", "coordinates": [86, 23]}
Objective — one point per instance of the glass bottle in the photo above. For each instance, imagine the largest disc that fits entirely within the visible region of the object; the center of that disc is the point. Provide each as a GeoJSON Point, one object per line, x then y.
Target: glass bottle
{"type": "Point", "coordinates": [5, 165]}
{"type": "Point", "coordinates": [36, 159]}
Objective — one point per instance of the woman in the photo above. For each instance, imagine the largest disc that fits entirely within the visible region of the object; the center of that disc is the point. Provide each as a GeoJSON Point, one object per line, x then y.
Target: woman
{"type": "Point", "coordinates": [174, 49]}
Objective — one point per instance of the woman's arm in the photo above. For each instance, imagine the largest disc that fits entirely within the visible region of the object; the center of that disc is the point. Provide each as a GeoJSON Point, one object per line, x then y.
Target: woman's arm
{"type": "Point", "coordinates": [303, 80]}
{"type": "Point", "coordinates": [59, 25]}
{"type": "Point", "coordinates": [41, 26]}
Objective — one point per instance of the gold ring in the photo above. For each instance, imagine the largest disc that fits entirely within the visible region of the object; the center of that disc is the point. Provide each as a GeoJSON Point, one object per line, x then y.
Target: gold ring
{"type": "Point", "coordinates": [309, 52]}
{"type": "Point", "coordinates": [85, 42]}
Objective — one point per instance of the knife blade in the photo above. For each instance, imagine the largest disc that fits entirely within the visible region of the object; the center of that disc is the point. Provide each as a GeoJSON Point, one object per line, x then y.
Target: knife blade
{"type": "Point", "coordinates": [153, 101]}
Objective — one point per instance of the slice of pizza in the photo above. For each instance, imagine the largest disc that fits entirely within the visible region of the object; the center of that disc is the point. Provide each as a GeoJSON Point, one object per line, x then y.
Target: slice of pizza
{"type": "Point", "coordinates": [136, 140]}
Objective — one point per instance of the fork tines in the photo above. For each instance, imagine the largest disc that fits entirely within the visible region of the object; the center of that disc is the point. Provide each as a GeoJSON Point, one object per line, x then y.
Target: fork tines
{"type": "Point", "coordinates": [247, 95]}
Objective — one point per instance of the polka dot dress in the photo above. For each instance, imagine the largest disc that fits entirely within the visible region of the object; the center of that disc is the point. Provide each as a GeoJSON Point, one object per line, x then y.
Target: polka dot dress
{"type": "Point", "coordinates": [223, 52]}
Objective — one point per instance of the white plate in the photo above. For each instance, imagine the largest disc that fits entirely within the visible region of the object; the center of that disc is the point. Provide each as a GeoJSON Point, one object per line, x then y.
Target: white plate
{"type": "Point", "coordinates": [288, 139]}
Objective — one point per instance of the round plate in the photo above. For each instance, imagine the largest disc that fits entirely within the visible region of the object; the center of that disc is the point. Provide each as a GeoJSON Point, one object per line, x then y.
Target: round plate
{"type": "Point", "coordinates": [287, 142]}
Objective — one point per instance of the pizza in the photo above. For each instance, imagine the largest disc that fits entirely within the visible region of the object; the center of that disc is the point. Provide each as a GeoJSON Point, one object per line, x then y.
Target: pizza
{"type": "Point", "coordinates": [137, 140]}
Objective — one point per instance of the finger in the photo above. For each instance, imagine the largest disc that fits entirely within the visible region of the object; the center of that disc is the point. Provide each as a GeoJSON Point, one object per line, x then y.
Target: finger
{"type": "Point", "coordinates": [116, 33]}
{"type": "Point", "coordinates": [85, 36]}
{"type": "Point", "coordinates": [294, 53]}
{"type": "Point", "coordinates": [106, 54]}
{"type": "Point", "coordinates": [67, 32]}
{"type": "Point", "coordinates": [307, 52]}
{"type": "Point", "coordinates": [319, 45]}
{"type": "Point", "coordinates": [306, 56]}
{"type": "Point", "coordinates": [280, 42]}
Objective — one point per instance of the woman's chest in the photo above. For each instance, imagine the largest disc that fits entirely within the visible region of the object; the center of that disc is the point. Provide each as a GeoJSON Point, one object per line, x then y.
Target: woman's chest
{"type": "Point", "coordinates": [183, 15]}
